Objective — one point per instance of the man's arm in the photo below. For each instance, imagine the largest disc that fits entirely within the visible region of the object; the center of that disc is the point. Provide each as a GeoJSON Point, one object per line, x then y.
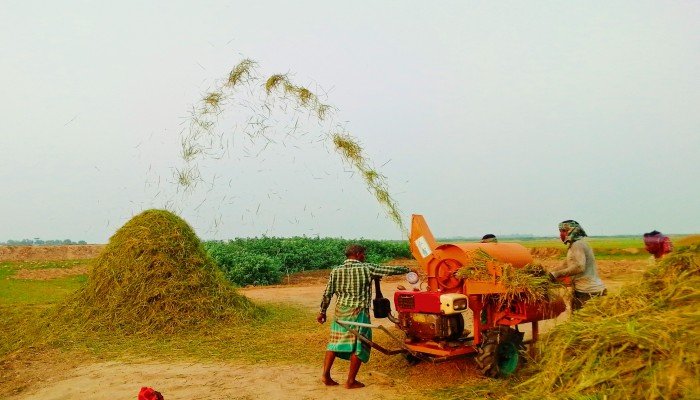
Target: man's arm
{"type": "Point", "coordinates": [328, 294]}
{"type": "Point", "coordinates": [575, 263]}
{"type": "Point", "coordinates": [386, 270]}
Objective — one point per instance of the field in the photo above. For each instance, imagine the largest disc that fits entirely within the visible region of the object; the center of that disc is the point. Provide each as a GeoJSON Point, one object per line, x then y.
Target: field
{"type": "Point", "coordinates": [277, 355]}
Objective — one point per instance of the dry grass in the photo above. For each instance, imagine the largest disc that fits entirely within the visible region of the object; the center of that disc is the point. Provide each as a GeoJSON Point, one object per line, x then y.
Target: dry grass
{"type": "Point", "coordinates": [692, 240]}
{"type": "Point", "coordinates": [351, 152]}
{"type": "Point", "coordinates": [153, 276]}
{"type": "Point", "coordinates": [640, 343]}
{"type": "Point", "coordinates": [242, 72]}
{"type": "Point", "coordinates": [197, 138]}
{"type": "Point", "coordinates": [529, 284]}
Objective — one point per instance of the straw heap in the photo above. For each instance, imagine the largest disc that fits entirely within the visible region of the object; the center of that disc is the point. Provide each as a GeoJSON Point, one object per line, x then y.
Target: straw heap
{"type": "Point", "coordinates": [154, 276]}
{"type": "Point", "coordinates": [640, 343]}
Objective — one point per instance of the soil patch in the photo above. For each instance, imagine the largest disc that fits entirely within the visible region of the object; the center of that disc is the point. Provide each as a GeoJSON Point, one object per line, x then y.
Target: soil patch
{"type": "Point", "coordinates": [50, 273]}
{"type": "Point", "coordinates": [50, 253]}
{"type": "Point", "coordinates": [118, 380]}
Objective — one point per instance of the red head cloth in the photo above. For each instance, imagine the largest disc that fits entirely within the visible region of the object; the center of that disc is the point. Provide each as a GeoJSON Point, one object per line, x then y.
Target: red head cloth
{"type": "Point", "coordinates": [147, 393]}
{"type": "Point", "coordinates": [657, 243]}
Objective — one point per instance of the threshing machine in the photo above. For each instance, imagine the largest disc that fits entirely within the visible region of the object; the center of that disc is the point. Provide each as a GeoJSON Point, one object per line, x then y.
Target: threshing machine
{"type": "Point", "coordinates": [433, 317]}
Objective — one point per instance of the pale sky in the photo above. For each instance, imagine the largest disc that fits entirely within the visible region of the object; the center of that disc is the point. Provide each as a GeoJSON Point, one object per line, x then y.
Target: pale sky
{"type": "Point", "coordinates": [485, 117]}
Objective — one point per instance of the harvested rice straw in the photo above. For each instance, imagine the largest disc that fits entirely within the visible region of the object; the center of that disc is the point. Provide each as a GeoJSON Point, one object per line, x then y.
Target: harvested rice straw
{"type": "Point", "coordinates": [154, 276]}
{"type": "Point", "coordinates": [477, 269]}
{"type": "Point", "coordinates": [351, 151]}
{"type": "Point", "coordinates": [243, 72]}
{"type": "Point", "coordinates": [304, 96]}
{"type": "Point", "coordinates": [529, 283]}
{"type": "Point", "coordinates": [203, 122]}
{"type": "Point", "coordinates": [639, 343]}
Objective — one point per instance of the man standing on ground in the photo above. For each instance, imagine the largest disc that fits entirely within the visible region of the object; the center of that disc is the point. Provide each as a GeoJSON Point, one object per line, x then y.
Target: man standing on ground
{"type": "Point", "coordinates": [580, 265]}
{"type": "Point", "coordinates": [351, 283]}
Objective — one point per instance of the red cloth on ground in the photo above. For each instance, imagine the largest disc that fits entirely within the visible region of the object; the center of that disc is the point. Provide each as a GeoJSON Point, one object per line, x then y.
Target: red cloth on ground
{"type": "Point", "coordinates": [147, 393]}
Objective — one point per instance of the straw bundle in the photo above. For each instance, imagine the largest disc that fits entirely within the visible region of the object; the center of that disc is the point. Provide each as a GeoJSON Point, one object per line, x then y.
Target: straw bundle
{"type": "Point", "coordinates": [154, 276]}
{"type": "Point", "coordinates": [529, 284]}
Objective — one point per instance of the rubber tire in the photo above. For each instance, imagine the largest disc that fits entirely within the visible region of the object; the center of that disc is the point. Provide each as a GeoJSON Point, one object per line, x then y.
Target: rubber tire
{"type": "Point", "coordinates": [496, 341]}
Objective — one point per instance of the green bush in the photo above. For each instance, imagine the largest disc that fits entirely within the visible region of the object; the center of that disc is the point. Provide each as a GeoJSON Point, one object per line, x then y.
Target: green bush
{"type": "Point", "coordinates": [295, 254]}
{"type": "Point", "coordinates": [245, 268]}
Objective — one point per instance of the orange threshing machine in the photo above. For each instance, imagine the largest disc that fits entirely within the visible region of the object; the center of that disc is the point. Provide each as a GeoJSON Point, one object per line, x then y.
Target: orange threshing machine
{"type": "Point", "coordinates": [433, 319]}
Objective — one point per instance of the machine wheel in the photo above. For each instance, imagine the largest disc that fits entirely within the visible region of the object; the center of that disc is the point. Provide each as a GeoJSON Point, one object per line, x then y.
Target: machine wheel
{"type": "Point", "coordinates": [499, 353]}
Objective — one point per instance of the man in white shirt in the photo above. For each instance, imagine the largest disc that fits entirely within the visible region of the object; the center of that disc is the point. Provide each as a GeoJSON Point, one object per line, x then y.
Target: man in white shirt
{"type": "Point", "coordinates": [580, 265]}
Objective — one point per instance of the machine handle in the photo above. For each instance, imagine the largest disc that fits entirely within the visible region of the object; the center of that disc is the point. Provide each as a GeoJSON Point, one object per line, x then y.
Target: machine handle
{"type": "Point", "coordinates": [377, 289]}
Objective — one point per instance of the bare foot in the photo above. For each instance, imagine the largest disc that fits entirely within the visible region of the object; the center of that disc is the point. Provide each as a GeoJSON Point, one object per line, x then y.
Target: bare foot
{"type": "Point", "coordinates": [354, 385]}
{"type": "Point", "coordinates": [328, 381]}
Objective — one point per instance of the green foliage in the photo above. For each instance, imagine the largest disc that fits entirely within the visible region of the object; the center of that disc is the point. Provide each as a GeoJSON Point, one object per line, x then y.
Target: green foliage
{"type": "Point", "coordinates": [246, 268]}
{"type": "Point", "coordinates": [264, 260]}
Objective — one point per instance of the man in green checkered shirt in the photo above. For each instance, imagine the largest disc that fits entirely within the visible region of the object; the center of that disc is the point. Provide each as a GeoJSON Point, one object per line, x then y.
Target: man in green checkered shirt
{"type": "Point", "coordinates": [351, 283]}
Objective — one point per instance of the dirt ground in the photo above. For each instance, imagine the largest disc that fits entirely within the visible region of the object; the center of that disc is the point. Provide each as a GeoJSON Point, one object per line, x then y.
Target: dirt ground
{"type": "Point", "coordinates": [50, 253]}
{"type": "Point", "coordinates": [41, 378]}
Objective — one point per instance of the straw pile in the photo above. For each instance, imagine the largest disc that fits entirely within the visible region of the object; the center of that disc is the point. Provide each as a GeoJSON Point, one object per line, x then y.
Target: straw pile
{"type": "Point", "coordinates": [154, 276]}
{"type": "Point", "coordinates": [691, 240]}
{"type": "Point", "coordinates": [639, 344]}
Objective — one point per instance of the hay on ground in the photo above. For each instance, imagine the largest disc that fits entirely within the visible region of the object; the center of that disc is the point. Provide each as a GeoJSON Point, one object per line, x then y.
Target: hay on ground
{"type": "Point", "coordinates": [154, 276]}
{"type": "Point", "coordinates": [639, 344]}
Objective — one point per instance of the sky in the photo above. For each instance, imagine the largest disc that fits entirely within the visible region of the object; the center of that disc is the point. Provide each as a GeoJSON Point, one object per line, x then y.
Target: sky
{"type": "Point", "coordinates": [484, 117]}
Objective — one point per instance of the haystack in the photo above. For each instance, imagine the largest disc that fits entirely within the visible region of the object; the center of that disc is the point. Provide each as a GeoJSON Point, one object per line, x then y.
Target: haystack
{"type": "Point", "coordinates": [155, 276]}
{"type": "Point", "coordinates": [641, 343]}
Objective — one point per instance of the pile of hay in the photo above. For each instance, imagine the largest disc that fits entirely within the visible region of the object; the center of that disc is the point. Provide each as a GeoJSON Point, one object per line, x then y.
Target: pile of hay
{"type": "Point", "coordinates": [640, 343]}
{"type": "Point", "coordinates": [154, 276]}
{"type": "Point", "coordinates": [691, 240]}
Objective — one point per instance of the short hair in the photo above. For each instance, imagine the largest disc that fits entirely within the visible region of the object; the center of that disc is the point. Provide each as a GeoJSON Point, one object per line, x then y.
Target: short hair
{"type": "Point", "coordinates": [488, 236]}
{"type": "Point", "coordinates": [354, 249]}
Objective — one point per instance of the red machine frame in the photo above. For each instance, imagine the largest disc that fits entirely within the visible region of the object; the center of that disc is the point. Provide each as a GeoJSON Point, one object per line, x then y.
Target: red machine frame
{"type": "Point", "coordinates": [491, 318]}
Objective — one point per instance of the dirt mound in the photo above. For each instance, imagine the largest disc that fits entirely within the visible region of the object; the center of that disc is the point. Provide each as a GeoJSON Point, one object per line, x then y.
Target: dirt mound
{"type": "Point", "coordinates": [547, 252]}
{"type": "Point", "coordinates": [50, 253]}
{"type": "Point", "coordinates": [155, 276]}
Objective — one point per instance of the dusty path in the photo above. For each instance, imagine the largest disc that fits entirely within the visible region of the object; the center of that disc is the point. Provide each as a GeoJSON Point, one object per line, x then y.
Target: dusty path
{"type": "Point", "coordinates": [191, 381]}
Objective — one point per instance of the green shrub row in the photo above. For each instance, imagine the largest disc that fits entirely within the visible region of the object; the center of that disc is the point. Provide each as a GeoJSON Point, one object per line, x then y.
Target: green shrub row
{"type": "Point", "coordinates": [265, 260]}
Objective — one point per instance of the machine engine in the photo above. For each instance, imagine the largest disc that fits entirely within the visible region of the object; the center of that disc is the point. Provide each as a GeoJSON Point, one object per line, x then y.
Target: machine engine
{"type": "Point", "coordinates": [431, 315]}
